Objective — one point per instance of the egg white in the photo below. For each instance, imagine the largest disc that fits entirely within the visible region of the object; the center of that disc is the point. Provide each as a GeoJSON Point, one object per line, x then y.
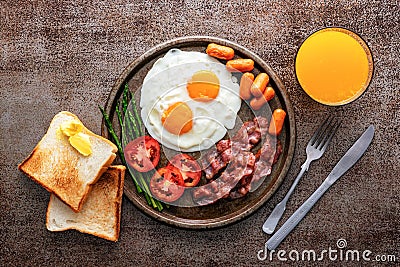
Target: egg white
{"type": "Point", "coordinates": [165, 84]}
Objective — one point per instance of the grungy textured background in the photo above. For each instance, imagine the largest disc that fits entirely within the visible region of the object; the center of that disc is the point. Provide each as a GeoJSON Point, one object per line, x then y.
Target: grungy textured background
{"type": "Point", "coordinates": [66, 55]}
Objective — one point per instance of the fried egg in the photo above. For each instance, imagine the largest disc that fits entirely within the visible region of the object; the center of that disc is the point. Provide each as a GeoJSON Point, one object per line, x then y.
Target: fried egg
{"type": "Point", "coordinates": [189, 100]}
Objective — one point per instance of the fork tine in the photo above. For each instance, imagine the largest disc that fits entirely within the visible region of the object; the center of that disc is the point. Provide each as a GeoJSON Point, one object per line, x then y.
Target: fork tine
{"type": "Point", "coordinates": [316, 133]}
{"type": "Point", "coordinates": [326, 133]}
{"type": "Point", "coordinates": [328, 138]}
{"type": "Point", "coordinates": [320, 132]}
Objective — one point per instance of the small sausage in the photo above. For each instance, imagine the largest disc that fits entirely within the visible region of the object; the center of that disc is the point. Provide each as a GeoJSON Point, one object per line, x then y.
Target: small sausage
{"type": "Point", "coordinates": [245, 83]}
{"type": "Point", "coordinates": [269, 93]}
{"type": "Point", "coordinates": [257, 102]}
{"type": "Point", "coordinates": [259, 84]}
{"type": "Point", "coordinates": [240, 65]}
{"type": "Point", "coordinates": [220, 51]}
{"type": "Point", "coordinates": [278, 117]}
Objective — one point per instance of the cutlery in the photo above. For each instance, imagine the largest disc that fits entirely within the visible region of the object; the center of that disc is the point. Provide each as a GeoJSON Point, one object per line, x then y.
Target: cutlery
{"type": "Point", "coordinates": [344, 164]}
{"type": "Point", "coordinates": [315, 149]}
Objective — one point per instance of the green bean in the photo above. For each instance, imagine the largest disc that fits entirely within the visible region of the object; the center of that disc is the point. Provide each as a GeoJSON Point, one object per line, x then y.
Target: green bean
{"type": "Point", "coordinates": [136, 116]}
{"type": "Point", "coordinates": [131, 127]}
{"type": "Point", "coordinates": [121, 122]}
{"type": "Point", "coordinates": [125, 98]}
{"type": "Point", "coordinates": [117, 142]}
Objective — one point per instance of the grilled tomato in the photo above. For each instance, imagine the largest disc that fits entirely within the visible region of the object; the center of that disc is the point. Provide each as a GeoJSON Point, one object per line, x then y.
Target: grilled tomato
{"type": "Point", "coordinates": [143, 153]}
{"type": "Point", "coordinates": [167, 184]}
{"type": "Point", "coordinates": [189, 168]}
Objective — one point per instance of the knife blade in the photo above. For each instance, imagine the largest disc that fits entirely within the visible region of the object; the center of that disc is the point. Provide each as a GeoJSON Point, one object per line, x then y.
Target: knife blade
{"type": "Point", "coordinates": [352, 155]}
{"type": "Point", "coordinates": [344, 164]}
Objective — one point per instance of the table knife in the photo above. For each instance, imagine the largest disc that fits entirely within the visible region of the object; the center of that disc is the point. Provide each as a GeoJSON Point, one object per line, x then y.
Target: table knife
{"type": "Point", "coordinates": [344, 164]}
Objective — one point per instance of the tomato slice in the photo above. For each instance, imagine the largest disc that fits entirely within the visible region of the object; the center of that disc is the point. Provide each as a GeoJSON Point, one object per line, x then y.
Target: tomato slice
{"type": "Point", "coordinates": [167, 184]}
{"type": "Point", "coordinates": [190, 169]}
{"type": "Point", "coordinates": [143, 153]}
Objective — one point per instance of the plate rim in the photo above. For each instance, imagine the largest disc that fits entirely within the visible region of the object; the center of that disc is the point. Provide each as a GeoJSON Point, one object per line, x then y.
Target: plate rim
{"type": "Point", "coordinates": [245, 211]}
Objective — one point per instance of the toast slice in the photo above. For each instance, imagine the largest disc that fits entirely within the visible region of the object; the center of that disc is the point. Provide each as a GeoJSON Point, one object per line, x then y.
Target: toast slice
{"type": "Point", "coordinates": [101, 212]}
{"type": "Point", "coordinates": [56, 165]}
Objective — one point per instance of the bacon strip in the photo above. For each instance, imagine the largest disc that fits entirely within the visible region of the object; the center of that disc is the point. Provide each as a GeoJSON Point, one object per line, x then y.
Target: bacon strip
{"type": "Point", "coordinates": [241, 161]}
{"type": "Point", "coordinates": [245, 171]}
{"type": "Point", "coordinates": [241, 165]}
{"type": "Point", "coordinates": [269, 156]}
{"type": "Point", "coordinates": [244, 140]}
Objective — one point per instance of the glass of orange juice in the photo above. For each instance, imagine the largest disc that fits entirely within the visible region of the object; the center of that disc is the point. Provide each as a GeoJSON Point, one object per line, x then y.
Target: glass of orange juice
{"type": "Point", "coordinates": [334, 66]}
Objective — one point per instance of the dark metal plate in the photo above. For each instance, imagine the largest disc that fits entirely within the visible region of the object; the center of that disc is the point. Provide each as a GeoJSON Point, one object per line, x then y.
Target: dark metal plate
{"type": "Point", "coordinates": [223, 212]}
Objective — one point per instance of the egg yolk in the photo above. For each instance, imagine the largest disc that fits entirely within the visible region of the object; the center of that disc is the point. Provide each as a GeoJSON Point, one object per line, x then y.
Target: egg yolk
{"type": "Point", "coordinates": [177, 119]}
{"type": "Point", "coordinates": [203, 86]}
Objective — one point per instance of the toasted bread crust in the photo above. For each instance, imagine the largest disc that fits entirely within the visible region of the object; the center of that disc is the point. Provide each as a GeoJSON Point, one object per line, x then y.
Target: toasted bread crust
{"type": "Point", "coordinates": [66, 185]}
{"type": "Point", "coordinates": [118, 204]}
{"type": "Point", "coordinates": [65, 181]}
{"type": "Point", "coordinates": [99, 174]}
{"type": "Point", "coordinates": [114, 177]}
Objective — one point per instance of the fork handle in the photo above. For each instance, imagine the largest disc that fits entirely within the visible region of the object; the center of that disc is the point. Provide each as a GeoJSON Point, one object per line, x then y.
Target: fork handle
{"type": "Point", "coordinates": [304, 168]}
{"type": "Point", "coordinates": [273, 219]}
{"type": "Point", "coordinates": [297, 216]}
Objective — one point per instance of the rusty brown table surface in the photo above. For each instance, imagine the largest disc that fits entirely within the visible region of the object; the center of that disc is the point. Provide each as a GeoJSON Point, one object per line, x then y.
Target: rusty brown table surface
{"type": "Point", "coordinates": [62, 55]}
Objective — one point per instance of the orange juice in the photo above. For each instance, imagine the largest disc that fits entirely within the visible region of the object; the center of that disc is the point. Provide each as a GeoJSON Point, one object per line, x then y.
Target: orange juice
{"type": "Point", "coordinates": [334, 66]}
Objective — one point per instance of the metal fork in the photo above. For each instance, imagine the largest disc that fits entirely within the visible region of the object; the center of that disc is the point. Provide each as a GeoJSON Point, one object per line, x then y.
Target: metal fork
{"type": "Point", "coordinates": [315, 149]}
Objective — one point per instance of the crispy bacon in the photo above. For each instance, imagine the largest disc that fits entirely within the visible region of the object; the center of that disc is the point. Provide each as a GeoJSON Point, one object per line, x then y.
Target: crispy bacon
{"type": "Point", "coordinates": [241, 165]}
{"type": "Point", "coordinates": [244, 140]}
{"type": "Point", "coordinates": [239, 172]}
{"type": "Point", "coordinates": [268, 155]}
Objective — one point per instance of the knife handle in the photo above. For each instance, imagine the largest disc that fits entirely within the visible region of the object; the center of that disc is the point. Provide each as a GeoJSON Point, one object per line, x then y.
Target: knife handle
{"type": "Point", "coordinates": [297, 216]}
